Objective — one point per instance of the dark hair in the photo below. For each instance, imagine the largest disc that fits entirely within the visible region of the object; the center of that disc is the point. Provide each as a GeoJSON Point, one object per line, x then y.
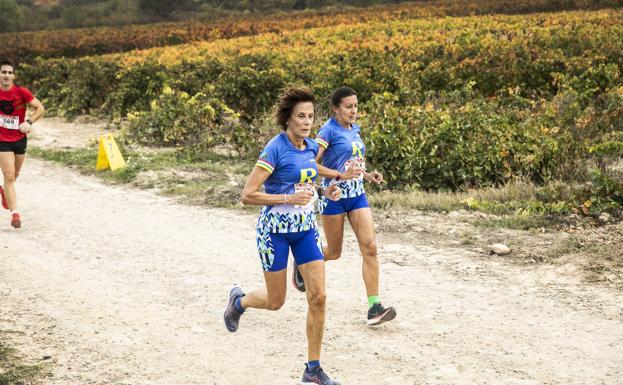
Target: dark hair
{"type": "Point", "coordinates": [7, 63]}
{"type": "Point", "coordinates": [341, 93]}
{"type": "Point", "coordinates": [290, 96]}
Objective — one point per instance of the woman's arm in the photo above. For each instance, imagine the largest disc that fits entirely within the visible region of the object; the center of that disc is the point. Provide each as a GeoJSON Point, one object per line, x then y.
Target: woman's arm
{"type": "Point", "coordinates": [322, 170]}
{"type": "Point", "coordinates": [251, 194]}
{"type": "Point", "coordinates": [351, 173]}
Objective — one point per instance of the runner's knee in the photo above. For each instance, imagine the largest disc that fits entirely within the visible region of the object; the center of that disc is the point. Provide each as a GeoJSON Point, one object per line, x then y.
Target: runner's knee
{"type": "Point", "coordinates": [331, 255]}
{"type": "Point", "coordinates": [9, 177]}
{"type": "Point", "coordinates": [275, 304]}
{"type": "Point", "coordinates": [369, 249]}
{"type": "Point", "coordinates": [317, 299]}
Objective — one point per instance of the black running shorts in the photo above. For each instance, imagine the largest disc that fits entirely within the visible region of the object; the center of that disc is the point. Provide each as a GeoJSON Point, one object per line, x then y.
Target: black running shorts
{"type": "Point", "coordinates": [18, 148]}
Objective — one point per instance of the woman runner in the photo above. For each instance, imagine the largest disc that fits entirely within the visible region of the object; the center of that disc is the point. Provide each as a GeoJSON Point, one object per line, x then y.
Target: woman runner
{"type": "Point", "coordinates": [342, 154]}
{"type": "Point", "coordinates": [287, 168]}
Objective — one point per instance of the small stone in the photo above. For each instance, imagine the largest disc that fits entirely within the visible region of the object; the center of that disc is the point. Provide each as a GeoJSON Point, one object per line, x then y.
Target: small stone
{"type": "Point", "coordinates": [499, 249]}
{"type": "Point", "coordinates": [604, 218]}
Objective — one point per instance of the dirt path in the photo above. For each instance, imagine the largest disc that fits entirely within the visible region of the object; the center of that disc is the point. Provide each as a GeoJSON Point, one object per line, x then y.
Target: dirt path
{"type": "Point", "coordinates": [58, 133]}
{"type": "Point", "coordinates": [121, 286]}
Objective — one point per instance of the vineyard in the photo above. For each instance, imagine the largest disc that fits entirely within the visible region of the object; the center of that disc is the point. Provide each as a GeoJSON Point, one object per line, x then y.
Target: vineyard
{"type": "Point", "coordinates": [448, 103]}
{"type": "Point", "coordinates": [25, 46]}
{"type": "Point", "coordinates": [497, 124]}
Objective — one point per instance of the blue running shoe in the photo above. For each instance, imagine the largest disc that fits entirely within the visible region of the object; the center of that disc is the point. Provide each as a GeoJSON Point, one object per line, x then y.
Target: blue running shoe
{"type": "Point", "coordinates": [316, 376]}
{"type": "Point", "coordinates": [232, 315]}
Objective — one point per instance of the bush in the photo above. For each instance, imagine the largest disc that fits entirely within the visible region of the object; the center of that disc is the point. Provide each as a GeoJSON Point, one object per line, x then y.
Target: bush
{"type": "Point", "coordinates": [71, 87]}
{"type": "Point", "coordinates": [177, 118]}
{"type": "Point", "coordinates": [135, 89]}
{"type": "Point", "coordinates": [11, 16]}
{"type": "Point", "coordinates": [250, 84]}
{"type": "Point", "coordinates": [455, 141]}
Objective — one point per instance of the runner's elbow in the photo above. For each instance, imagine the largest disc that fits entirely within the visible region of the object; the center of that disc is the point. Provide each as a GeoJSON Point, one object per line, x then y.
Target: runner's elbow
{"type": "Point", "coordinates": [246, 198]}
{"type": "Point", "coordinates": [250, 195]}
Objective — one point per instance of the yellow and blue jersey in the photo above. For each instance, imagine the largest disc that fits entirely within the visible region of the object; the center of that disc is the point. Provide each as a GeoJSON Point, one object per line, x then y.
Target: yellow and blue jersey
{"type": "Point", "coordinates": [288, 167]}
{"type": "Point", "coordinates": [342, 148]}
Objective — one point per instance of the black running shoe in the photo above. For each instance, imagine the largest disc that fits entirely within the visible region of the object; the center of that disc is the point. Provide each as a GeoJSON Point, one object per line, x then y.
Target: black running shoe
{"type": "Point", "coordinates": [232, 315]}
{"type": "Point", "coordinates": [378, 314]}
{"type": "Point", "coordinates": [316, 376]}
{"type": "Point", "coordinates": [297, 278]}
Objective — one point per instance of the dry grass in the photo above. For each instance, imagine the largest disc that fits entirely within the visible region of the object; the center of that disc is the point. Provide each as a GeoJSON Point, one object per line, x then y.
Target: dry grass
{"type": "Point", "coordinates": [518, 190]}
{"type": "Point", "coordinates": [13, 371]}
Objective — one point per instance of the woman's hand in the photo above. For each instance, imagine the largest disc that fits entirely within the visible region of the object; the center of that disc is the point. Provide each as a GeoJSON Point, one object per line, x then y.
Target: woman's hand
{"type": "Point", "coordinates": [352, 173]}
{"type": "Point", "coordinates": [374, 177]}
{"type": "Point", "coordinates": [332, 192]}
{"type": "Point", "coordinates": [300, 198]}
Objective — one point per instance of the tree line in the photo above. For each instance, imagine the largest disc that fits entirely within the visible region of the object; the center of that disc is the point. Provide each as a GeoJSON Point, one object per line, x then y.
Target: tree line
{"type": "Point", "coordinates": [31, 15]}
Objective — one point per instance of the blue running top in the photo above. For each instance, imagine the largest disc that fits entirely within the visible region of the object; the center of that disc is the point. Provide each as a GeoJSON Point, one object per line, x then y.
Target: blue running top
{"type": "Point", "coordinates": [343, 147]}
{"type": "Point", "coordinates": [290, 171]}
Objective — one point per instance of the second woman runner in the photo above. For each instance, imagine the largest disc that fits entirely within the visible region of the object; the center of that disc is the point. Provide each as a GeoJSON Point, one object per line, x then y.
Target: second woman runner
{"type": "Point", "coordinates": [342, 153]}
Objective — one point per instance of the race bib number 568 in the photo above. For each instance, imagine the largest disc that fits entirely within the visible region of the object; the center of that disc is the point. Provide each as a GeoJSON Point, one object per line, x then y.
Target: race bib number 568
{"type": "Point", "coordinates": [9, 122]}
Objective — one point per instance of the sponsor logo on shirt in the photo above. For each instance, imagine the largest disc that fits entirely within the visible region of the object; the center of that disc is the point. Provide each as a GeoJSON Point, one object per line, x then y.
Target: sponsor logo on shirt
{"type": "Point", "coordinates": [357, 149]}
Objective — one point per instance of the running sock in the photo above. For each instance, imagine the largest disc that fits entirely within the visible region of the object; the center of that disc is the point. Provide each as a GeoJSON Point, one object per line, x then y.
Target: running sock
{"type": "Point", "coordinates": [372, 299]}
{"type": "Point", "coordinates": [311, 365]}
{"type": "Point", "coordinates": [238, 305]}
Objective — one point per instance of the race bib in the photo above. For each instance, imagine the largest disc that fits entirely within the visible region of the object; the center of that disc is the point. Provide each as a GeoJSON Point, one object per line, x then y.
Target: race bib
{"type": "Point", "coordinates": [300, 187]}
{"type": "Point", "coordinates": [9, 122]}
{"type": "Point", "coordinates": [360, 162]}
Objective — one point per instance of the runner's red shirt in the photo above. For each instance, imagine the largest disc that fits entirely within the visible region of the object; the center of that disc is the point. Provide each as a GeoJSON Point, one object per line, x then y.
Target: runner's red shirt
{"type": "Point", "coordinates": [13, 112]}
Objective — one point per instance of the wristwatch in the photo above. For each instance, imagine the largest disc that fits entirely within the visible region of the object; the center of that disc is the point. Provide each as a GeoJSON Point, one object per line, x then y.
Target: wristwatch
{"type": "Point", "coordinates": [29, 121]}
